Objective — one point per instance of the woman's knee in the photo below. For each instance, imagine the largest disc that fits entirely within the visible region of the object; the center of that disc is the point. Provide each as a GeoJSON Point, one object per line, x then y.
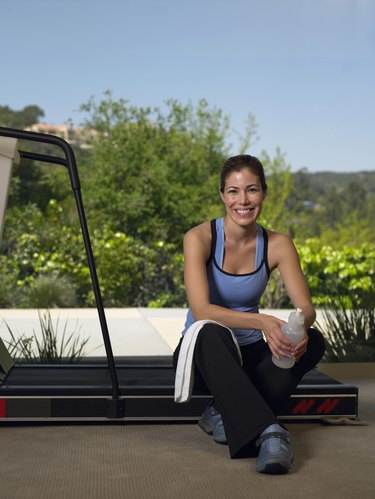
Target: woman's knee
{"type": "Point", "coordinates": [212, 333]}
{"type": "Point", "coordinates": [317, 344]}
{"type": "Point", "coordinates": [209, 336]}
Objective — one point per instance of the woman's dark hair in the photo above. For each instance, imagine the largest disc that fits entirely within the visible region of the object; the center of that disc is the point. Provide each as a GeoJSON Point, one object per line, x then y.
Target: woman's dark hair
{"type": "Point", "coordinates": [238, 163]}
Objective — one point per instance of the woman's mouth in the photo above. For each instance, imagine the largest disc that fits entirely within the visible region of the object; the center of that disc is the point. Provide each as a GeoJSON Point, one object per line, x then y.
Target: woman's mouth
{"type": "Point", "coordinates": [243, 212]}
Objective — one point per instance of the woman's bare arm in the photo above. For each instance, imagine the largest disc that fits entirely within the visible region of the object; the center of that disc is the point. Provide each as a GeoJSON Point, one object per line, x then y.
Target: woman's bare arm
{"type": "Point", "coordinates": [284, 256]}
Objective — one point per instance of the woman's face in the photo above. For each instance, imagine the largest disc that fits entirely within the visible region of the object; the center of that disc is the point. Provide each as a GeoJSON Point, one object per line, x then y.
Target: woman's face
{"type": "Point", "coordinates": [243, 196]}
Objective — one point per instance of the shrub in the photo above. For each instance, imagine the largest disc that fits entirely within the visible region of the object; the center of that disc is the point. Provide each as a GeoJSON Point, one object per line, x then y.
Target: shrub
{"type": "Point", "coordinates": [50, 291]}
{"type": "Point", "coordinates": [331, 272]}
{"type": "Point", "coordinates": [50, 349]}
{"type": "Point", "coordinates": [349, 324]}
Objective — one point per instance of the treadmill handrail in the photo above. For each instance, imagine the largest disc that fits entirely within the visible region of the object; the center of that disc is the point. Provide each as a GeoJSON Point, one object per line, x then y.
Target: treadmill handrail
{"type": "Point", "coordinates": [52, 140]}
{"type": "Point", "coordinates": [70, 163]}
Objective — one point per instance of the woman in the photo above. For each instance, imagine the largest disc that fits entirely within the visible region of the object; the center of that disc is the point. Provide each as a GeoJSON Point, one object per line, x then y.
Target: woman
{"type": "Point", "coordinates": [227, 265]}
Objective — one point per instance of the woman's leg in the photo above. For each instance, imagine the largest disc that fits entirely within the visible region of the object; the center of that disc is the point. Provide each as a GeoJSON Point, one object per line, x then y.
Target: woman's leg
{"type": "Point", "coordinates": [274, 383]}
{"type": "Point", "coordinates": [244, 411]}
{"type": "Point", "coordinates": [248, 397]}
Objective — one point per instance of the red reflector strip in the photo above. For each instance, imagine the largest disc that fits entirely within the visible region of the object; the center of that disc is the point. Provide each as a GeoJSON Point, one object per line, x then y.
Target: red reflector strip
{"type": "Point", "coordinates": [2, 408]}
{"type": "Point", "coordinates": [303, 406]}
{"type": "Point", "coordinates": [327, 406]}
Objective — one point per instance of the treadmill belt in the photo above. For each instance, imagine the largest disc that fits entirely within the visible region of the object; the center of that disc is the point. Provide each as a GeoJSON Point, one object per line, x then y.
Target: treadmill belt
{"type": "Point", "coordinates": [77, 379]}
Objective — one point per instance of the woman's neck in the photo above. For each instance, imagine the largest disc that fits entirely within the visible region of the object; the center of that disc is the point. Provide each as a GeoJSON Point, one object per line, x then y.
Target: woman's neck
{"type": "Point", "coordinates": [239, 233]}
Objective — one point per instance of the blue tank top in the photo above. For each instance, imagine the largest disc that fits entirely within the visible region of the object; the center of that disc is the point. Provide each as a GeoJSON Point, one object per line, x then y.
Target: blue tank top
{"type": "Point", "coordinates": [241, 292]}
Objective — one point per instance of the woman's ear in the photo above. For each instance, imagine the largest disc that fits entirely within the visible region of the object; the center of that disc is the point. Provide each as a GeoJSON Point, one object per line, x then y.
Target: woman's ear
{"type": "Point", "coordinates": [221, 195]}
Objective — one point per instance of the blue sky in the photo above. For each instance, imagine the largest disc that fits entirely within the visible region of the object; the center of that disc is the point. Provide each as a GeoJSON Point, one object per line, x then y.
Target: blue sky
{"type": "Point", "coordinates": [304, 68]}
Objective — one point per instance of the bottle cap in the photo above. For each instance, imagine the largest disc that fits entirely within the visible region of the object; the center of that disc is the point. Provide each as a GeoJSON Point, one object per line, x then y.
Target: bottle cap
{"type": "Point", "coordinates": [298, 316]}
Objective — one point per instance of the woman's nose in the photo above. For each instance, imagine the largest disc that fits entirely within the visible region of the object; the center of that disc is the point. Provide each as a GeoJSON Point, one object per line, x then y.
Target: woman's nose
{"type": "Point", "coordinates": [244, 198]}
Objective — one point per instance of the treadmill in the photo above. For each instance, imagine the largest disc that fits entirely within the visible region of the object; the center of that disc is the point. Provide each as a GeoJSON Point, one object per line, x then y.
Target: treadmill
{"type": "Point", "coordinates": [137, 389]}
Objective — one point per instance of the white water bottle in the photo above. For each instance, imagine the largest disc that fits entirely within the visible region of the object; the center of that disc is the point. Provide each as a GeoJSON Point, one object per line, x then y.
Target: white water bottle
{"type": "Point", "coordinates": [294, 331]}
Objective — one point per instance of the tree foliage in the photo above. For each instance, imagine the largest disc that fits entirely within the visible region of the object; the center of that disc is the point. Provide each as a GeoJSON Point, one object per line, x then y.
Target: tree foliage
{"type": "Point", "coordinates": [278, 208]}
{"type": "Point", "coordinates": [20, 119]}
{"type": "Point", "coordinates": [337, 211]}
{"type": "Point", "coordinates": [37, 183]}
{"type": "Point", "coordinates": [151, 175]}
{"type": "Point", "coordinates": [154, 174]}
{"type": "Point", "coordinates": [38, 265]}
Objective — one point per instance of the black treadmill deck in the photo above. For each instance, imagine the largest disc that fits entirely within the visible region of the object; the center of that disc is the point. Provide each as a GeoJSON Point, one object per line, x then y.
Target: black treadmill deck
{"type": "Point", "coordinates": [146, 393]}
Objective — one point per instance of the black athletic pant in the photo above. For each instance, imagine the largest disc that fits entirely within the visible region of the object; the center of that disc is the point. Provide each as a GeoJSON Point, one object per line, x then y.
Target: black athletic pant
{"type": "Point", "coordinates": [248, 396]}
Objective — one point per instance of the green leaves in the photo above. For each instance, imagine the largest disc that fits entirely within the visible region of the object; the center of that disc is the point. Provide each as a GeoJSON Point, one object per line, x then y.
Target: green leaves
{"type": "Point", "coordinates": [331, 271]}
{"type": "Point", "coordinates": [20, 119]}
{"type": "Point", "coordinates": [151, 175]}
{"type": "Point", "coordinates": [155, 173]}
{"type": "Point", "coordinates": [349, 321]}
{"type": "Point", "coordinates": [46, 266]}
{"type": "Point", "coordinates": [278, 210]}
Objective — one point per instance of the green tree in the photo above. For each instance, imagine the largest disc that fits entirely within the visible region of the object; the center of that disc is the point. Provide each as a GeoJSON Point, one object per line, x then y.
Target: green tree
{"type": "Point", "coordinates": [154, 173]}
{"type": "Point", "coordinates": [20, 119]}
{"type": "Point", "coordinates": [28, 175]}
{"type": "Point", "coordinates": [278, 209]}
{"type": "Point", "coordinates": [342, 216]}
{"type": "Point", "coordinates": [151, 175]}
{"type": "Point", "coordinates": [36, 182]}
{"type": "Point", "coordinates": [38, 267]}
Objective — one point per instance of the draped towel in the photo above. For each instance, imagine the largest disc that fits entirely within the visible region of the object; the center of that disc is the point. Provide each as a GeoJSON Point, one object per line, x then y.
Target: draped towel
{"type": "Point", "coordinates": [184, 380]}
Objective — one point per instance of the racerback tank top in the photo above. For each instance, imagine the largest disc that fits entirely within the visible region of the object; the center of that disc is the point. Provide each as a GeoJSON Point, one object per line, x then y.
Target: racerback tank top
{"type": "Point", "coordinates": [241, 292]}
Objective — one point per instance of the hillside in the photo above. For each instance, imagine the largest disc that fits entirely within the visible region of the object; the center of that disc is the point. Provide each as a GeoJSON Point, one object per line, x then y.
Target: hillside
{"type": "Point", "coordinates": [320, 181]}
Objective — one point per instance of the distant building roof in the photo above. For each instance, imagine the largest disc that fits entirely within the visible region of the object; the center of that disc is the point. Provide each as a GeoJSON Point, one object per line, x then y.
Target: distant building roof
{"type": "Point", "coordinates": [82, 137]}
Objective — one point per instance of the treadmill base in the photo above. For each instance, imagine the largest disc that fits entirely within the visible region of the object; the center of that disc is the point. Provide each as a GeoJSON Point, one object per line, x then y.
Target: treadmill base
{"type": "Point", "coordinates": [83, 393]}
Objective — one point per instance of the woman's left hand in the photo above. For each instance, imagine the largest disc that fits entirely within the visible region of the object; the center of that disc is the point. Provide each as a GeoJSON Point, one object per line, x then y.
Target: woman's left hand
{"type": "Point", "coordinates": [300, 349]}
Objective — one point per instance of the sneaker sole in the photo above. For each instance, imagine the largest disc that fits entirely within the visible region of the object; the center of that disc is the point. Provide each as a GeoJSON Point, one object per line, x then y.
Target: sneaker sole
{"type": "Point", "coordinates": [206, 427]}
{"type": "Point", "coordinates": [275, 469]}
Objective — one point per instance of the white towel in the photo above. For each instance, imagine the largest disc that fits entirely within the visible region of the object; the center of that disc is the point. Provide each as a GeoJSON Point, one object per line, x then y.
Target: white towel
{"type": "Point", "coordinates": [184, 380]}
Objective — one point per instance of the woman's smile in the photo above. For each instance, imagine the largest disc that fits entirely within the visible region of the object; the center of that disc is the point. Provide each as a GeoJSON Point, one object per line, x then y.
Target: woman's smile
{"type": "Point", "coordinates": [243, 212]}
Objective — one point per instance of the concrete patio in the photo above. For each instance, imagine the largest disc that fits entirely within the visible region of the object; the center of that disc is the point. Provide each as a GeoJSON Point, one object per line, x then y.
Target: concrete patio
{"type": "Point", "coordinates": [133, 331]}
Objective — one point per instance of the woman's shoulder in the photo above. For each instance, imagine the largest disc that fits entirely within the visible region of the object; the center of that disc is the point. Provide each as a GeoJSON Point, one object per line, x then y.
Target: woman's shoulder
{"type": "Point", "coordinates": [200, 236]}
{"type": "Point", "coordinates": [280, 245]}
{"type": "Point", "coordinates": [278, 237]}
{"type": "Point", "coordinates": [199, 231]}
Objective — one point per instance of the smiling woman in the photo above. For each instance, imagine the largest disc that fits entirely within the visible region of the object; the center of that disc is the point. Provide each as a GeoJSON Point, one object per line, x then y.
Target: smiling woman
{"type": "Point", "coordinates": [227, 265]}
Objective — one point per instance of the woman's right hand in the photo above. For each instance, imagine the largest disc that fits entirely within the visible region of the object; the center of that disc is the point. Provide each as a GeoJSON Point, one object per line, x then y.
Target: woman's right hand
{"type": "Point", "coordinates": [277, 342]}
